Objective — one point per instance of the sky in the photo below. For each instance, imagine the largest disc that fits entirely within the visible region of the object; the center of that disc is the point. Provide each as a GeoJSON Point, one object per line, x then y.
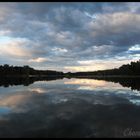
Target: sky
{"type": "Point", "coordinates": [69, 36]}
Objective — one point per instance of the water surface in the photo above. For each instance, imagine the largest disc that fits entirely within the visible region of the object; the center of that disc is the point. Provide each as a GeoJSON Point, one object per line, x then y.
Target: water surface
{"type": "Point", "coordinates": [69, 108]}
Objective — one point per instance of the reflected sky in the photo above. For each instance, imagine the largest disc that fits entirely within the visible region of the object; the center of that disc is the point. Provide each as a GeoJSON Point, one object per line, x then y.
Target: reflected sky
{"type": "Point", "coordinates": [60, 106]}
{"type": "Point", "coordinates": [90, 90]}
{"type": "Point", "coordinates": [91, 84]}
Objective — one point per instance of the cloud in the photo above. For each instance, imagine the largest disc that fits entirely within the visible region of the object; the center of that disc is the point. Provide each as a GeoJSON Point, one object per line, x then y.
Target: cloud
{"type": "Point", "coordinates": [4, 32]}
{"type": "Point", "coordinates": [134, 48]}
{"type": "Point", "coordinates": [14, 47]}
{"type": "Point", "coordinates": [69, 36]}
{"type": "Point", "coordinates": [120, 29]}
{"type": "Point", "coordinates": [38, 60]}
{"type": "Point", "coordinates": [59, 50]}
{"type": "Point", "coordinates": [93, 65]}
{"type": "Point", "coordinates": [5, 9]}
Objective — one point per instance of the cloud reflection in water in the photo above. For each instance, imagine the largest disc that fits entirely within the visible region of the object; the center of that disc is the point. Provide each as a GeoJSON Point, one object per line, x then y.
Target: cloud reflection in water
{"type": "Point", "coordinates": [65, 109]}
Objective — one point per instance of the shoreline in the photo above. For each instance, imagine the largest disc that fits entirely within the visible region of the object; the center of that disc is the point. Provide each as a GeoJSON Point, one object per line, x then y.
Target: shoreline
{"type": "Point", "coordinates": [70, 76]}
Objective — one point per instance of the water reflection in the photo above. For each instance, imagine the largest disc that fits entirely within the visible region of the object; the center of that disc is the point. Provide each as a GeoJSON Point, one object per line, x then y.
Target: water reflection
{"type": "Point", "coordinates": [69, 108]}
{"type": "Point", "coordinates": [133, 83]}
{"type": "Point", "coordinates": [38, 90]}
{"type": "Point", "coordinates": [26, 81]}
{"type": "Point", "coordinates": [92, 84]}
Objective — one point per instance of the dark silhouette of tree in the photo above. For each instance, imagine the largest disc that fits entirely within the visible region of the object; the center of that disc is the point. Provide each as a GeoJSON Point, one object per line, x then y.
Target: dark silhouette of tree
{"type": "Point", "coordinates": [7, 70]}
{"type": "Point", "coordinates": [132, 69]}
{"type": "Point", "coordinates": [15, 75]}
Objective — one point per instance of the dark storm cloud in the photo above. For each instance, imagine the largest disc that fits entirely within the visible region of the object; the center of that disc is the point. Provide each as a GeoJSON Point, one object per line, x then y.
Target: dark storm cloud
{"type": "Point", "coordinates": [61, 34]}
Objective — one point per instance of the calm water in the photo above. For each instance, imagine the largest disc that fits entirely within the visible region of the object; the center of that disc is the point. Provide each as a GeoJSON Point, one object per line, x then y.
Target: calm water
{"type": "Point", "coordinates": [69, 108]}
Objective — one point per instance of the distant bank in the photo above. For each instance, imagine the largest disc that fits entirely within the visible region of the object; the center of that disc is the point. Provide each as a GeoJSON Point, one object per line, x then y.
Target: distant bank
{"type": "Point", "coordinates": [128, 70]}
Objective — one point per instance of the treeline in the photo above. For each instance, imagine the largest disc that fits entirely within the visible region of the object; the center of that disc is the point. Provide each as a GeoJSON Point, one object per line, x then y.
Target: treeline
{"type": "Point", "coordinates": [6, 70]}
{"type": "Point", "coordinates": [132, 69]}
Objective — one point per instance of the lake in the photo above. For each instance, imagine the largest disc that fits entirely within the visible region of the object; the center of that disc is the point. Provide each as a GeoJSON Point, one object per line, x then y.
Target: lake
{"type": "Point", "coordinates": [70, 108]}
